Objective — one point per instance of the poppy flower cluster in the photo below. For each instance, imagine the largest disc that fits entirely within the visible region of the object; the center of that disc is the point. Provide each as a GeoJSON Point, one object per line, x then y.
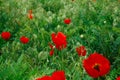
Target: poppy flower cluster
{"type": "Point", "coordinates": [7, 35]}
{"type": "Point", "coordinates": [59, 41]}
{"type": "Point", "coordinates": [96, 65]}
{"type": "Point", "coordinates": [57, 75]}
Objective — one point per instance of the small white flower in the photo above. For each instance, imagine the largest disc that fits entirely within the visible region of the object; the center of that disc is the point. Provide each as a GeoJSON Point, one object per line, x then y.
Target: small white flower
{"type": "Point", "coordinates": [81, 36]}
{"type": "Point", "coordinates": [58, 26]}
{"type": "Point", "coordinates": [104, 22]}
{"type": "Point", "coordinates": [53, 47]}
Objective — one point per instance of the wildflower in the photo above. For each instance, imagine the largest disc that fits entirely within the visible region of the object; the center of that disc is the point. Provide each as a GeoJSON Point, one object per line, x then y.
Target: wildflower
{"type": "Point", "coordinates": [30, 14]}
{"type": "Point", "coordinates": [44, 78]}
{"type": "Point", "coordinates": [59, 75]}
{"type": "Point", "coordinates": [52, 49]}
{"type": "Point", "coordinates": [118, 78]}
{"type": "Point", "coordinates": [51, 52]}
{"type": "Point", "coordinates": [67, 21]}
{"type": "Point", "coordinates": [96, 65]}
{"type": "Point", "coordinates": [104, 22]}
{"type": "Point", "coordinates": [59, 40]}
{"type": "Point", "coordinates": [81, 36]}
{"type": "Point", "coordinates": [5, 35]}
{"type": "Point", "coordinates": [81, 51]}
{"type": "Point", "coordinates": [24, 40]}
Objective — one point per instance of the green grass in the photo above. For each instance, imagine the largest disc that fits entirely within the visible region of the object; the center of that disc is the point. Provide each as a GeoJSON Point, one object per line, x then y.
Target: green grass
{"type": "Point", "coordinates": [98, 21]}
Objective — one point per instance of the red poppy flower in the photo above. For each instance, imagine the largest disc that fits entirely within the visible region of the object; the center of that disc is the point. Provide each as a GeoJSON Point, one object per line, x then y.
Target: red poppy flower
{"type": "Point", "coordinates": [52, 49]}
{"type": "Point", "coordinates": [67, 21]}
{"type": "Point", "coordinates": [5, 35]}
{"type": "Point", "coordinates": [96, 65]}
{"type": "Point", "coordinates": [59, 75]}
{"type": "Point", "coordinates": [45, 78]}
{"type": "Point", "coordinates": [50, 45]}
{"type": "Point", "coordinates": [30, 15]}
{"type": "Point", "coordinates": [24, 40]}
{"type": "Point", "coordinates": [51, 52]}
{"type": "Point", "coordinates": [59, 40]}
{"type": "Point", "coordinates": [81, 51]}
{"type": "Point", "coordinates": [118, 78]}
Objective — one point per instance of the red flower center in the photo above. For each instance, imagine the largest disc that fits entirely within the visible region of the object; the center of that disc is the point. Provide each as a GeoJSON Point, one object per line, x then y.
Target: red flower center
{"type": "Point", "coordinates": [97, 67]}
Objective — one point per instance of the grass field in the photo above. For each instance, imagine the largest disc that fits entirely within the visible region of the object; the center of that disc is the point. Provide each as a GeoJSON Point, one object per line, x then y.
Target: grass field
{"type": "Point", "coordinates": [95, 24]}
